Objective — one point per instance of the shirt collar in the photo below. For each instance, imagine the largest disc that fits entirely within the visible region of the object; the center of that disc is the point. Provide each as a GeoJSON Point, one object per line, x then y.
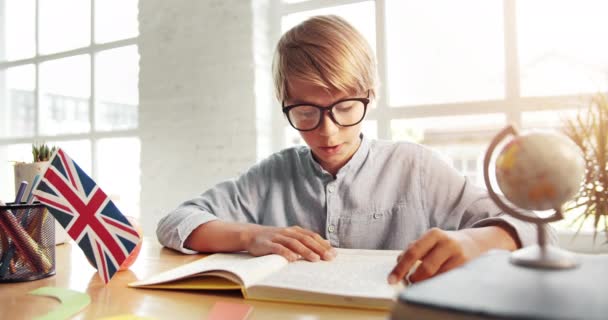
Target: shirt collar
{"type": "Point", "coordinates": [354, 163]}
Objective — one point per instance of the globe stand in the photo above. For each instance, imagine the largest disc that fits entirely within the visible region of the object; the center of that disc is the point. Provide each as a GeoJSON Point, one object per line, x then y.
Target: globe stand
{"type": "Point", "coordinates": [542, 255]}
{"type": "Point", "coordinates": [547, 257]}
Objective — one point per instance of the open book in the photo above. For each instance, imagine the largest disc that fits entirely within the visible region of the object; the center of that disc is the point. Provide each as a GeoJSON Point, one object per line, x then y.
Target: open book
{"type": "Point", "coordinates": [355, 278]}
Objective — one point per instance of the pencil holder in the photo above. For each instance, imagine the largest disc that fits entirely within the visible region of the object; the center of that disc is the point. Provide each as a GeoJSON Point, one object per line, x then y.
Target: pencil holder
{"type": "Point", "coordinates": [27, 242]}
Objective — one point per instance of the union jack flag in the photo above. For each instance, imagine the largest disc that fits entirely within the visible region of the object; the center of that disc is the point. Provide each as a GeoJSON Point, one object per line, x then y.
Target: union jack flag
{"type": "Point", "coordinates": [87, 214]}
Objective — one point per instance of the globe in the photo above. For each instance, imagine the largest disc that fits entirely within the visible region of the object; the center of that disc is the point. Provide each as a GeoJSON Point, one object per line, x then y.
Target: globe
{"type": "Point", "coordinates": [540, 170]}
{"type": "Point", "coordinates": [536, 171]}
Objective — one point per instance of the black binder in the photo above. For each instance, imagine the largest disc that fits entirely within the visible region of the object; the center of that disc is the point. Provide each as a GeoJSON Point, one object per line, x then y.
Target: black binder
{"type": "Point", "coordinates": [492, 287]}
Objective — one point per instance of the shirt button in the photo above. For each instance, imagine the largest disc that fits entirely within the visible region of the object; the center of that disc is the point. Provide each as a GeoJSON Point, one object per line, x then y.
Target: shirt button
{"type": "Point", "coordinates": [376, 215]}
{"type": "Point", "coordinates": [331, 188]}
{"type": "Point", "coordinates": [331, 228]}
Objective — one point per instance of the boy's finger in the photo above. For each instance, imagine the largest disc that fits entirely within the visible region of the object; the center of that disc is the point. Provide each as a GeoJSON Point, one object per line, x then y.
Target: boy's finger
{"type": "Point", "coordinates": [316, 237]}
{"type": "Point", "coordinates": [281, 250]}
{"type": "Point", "coordinates": [314, 241]}
{"type": "Point", "coordinates": [298, 248]}
{"type": "Point", "coordinates": [431, 263]}
{"type": "Point", "coordinates": [416, 251]}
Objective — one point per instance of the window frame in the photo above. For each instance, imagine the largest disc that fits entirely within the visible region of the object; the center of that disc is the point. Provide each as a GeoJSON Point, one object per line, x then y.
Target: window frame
{"type": "Point", "coordinates": [91, 50]}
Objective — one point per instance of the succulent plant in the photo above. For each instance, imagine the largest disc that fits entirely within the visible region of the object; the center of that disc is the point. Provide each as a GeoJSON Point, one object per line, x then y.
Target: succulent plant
{"type": "Point", "coordinates": [42, 152]}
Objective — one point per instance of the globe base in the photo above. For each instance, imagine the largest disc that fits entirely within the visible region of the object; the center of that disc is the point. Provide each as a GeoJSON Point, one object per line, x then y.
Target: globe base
{"type": "Point", "coordinates": [545, 257]}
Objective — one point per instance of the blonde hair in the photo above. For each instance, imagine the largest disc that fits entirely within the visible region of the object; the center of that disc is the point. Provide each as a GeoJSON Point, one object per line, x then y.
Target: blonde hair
{"type": "Point", "coordinates": [325, 51]}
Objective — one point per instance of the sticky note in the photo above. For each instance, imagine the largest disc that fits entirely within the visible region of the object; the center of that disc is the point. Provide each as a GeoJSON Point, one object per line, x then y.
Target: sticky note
{"type": "Point", "coordinates": [72, 302]}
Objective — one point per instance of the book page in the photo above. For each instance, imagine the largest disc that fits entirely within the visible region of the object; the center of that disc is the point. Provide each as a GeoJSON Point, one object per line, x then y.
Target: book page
{"type": "Point", "coordinates": [353, 273]}
{"type": "Point", "coordinates": [243, 267]}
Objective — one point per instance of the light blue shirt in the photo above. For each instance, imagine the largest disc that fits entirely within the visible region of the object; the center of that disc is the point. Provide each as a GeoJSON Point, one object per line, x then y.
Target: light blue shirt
{"type": "Point", "coordinates": [388, 195]}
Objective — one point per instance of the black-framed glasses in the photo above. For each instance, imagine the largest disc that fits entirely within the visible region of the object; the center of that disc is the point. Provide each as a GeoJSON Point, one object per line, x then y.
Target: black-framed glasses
{"type": "Point", "coordinates": [308, 117]}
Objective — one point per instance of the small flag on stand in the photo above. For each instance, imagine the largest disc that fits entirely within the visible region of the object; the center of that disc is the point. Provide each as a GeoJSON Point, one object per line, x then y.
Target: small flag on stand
{"type": "Point", "coordinates": [87, 214]}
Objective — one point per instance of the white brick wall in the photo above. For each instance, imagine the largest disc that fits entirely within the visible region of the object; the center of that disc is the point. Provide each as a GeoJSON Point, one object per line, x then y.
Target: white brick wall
{"type": "Point", "coordinates": [197, 98]}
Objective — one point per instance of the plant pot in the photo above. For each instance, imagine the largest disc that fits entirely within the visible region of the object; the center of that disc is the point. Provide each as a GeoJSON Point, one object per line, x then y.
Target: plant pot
{"type": "Point", "coordinates": [26, 172]}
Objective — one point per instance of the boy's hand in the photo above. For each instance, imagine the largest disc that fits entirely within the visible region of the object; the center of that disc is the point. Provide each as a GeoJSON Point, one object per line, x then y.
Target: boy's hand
{"type": "Point", "coordinates": [439, 251]}
{"type": "Point", "coordinates": [291, 243]}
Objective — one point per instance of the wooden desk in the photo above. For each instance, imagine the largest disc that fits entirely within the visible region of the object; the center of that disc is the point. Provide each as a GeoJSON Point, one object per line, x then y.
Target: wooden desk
{"type": "Point", "coordinates": [74, 272]}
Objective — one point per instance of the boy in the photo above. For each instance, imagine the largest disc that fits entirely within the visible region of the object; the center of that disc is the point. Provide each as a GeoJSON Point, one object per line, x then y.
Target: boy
{"type": "Point", "coordinates": [342, 190]}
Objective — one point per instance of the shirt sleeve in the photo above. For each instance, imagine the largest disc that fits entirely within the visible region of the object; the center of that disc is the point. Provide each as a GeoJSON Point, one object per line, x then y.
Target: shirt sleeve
{"type": "Point", "coordinates": [234, 200]}
{"type": "Point", "coordinates": [453, 202]}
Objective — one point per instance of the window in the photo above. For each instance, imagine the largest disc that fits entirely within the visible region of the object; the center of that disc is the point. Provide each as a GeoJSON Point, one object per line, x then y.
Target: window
{"type": "Point", "coordinates": [438, 53]}
{"type": "Point", "coordinates": [559, 57]}
{"type": "Point", "coordinates": [453, 73]}
{"type": "Point", "coordinates": [360, 14]}
{"type": "Point", "coordinates": [69, 77]}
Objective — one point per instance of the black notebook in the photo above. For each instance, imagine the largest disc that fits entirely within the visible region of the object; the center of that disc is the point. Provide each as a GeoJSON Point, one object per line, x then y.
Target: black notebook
{"type": "Point", "coordinates": [492, 287]}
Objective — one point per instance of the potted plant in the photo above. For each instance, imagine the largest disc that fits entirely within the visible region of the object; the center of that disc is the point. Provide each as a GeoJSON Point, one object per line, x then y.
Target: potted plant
{"type": "Point", "coordinates": [26, 171]}
{"type": "Point", "coordinates": [589, 130]}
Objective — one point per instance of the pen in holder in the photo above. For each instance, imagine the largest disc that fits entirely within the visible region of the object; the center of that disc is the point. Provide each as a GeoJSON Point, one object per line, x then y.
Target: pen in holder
{"type": "Point", "coordinates": [27, 242]}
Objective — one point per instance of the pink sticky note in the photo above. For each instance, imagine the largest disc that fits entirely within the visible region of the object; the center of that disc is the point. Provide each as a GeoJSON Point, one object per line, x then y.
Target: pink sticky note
{"type": "Point", "coordinates": [229, 311]}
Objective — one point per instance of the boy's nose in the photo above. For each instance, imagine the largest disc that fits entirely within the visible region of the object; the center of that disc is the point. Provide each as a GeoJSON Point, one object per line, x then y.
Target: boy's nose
{"type": "Point", "coordinates": [327, 127]}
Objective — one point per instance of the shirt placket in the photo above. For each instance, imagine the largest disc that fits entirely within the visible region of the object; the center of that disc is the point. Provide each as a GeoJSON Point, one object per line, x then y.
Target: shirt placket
{"type": "Point", "coordinates": [332, 213]}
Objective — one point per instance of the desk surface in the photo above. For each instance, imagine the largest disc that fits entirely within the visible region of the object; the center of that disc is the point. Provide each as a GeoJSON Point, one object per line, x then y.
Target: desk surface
{"type": "Point", "coordinates": [74, 272]}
